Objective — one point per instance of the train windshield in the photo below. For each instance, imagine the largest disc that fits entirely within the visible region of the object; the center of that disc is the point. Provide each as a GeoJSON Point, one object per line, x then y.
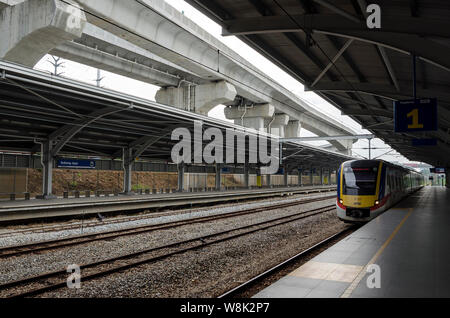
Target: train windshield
{"type": "Point", "coordinates": [360, 180]}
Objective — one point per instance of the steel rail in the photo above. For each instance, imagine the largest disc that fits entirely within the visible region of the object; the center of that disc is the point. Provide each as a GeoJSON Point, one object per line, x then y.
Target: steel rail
{"type": "Point", "coordinates": [81, 224]}
{"type": "Point", "coordinates": [16, 250]}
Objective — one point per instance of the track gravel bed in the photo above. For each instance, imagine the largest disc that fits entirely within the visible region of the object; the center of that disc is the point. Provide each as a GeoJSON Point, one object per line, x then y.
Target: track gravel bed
{"type": "Point", "coordinates": [210, 271]}
{"type": "Point", "coordinates": [13, 268]}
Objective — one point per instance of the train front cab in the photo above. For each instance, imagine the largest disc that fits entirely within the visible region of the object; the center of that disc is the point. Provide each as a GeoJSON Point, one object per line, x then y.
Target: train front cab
{"type": "Point", "coordinates": [361, 190]}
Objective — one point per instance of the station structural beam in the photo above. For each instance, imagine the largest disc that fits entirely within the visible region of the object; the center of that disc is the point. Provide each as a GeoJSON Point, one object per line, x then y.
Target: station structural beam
{"type": "Point", "coordinates": [218, 176]}
{"type": "Point", "coordinates": [246, 176]}
{"type": "Point", "coordinates": [286, 176]}
{"type": "Point", "coordinates": [47, 173]}
{"type": "Point", "coordinates": [181, 168]}
{"type": "Point", "coordinates": [128, 163]}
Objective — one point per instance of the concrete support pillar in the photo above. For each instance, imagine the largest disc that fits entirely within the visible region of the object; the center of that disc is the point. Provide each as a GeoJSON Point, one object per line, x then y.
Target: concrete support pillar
{"type": "Point", "coordinates": [47, 171]}
{"type": "Point", "coordinates": [181, 168]}
{"type": "Point", "coordinates": [200, 99]}
{"type": "Point", "coordinates": [128, 163]}
{"type": "Point", "coordinates": [329, 176]}
{"type": "Point", "coordinates": [348, 147]}
{"type": "Point", "coordinates": [269, 180]}
{"type": "Point", "coordinates": [300, 177]}
{"type": "Point", "coordinates": [321, 176]}
{"type": "Point", "coordinates": [250, 117]}
{"type": "Point", "coordinates": [278, 125]}
{"type": "Point", "coordinates": [33, 28]}
{"type": "Point", "coordinates": [246, 176]}
{"type": "Point", "coordinates": [293, 129]}
{"type": "Point", "coordinates": [218, 177]}
{"type": "Point", "coordinates": [311, 176]}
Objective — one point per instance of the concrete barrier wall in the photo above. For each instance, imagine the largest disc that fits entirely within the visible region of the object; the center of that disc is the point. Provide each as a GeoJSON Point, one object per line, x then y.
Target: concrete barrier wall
{"type": "Point", "coordinates": [19, 181]}
{"type": "Point", "coordinates": [13, 180]}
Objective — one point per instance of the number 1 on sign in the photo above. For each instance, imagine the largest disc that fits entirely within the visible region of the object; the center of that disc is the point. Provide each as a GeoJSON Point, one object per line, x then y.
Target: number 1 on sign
{"type": "Point", "coordinates": [415, 119]}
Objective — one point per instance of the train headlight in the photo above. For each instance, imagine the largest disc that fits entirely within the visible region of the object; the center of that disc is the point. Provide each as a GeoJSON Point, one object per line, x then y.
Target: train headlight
{"type": "Point", "coordinates": [377, 202]}
{"type": "Point", "coordinates": [341, 201]}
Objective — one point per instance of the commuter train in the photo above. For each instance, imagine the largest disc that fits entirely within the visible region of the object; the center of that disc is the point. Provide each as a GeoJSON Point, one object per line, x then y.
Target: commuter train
{"type": "Point", "coordinates": [366, 188]}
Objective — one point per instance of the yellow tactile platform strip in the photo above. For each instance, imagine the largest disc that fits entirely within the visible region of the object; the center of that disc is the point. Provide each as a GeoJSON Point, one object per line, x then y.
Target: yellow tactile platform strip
{"type": "Point", "coordinates": [328, 271]}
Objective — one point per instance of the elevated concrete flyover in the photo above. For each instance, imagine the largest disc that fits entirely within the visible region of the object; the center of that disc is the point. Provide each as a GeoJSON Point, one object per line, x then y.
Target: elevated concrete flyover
{"type": "Point", "coordinates": [169, 50]}
{"type": "Point", "coordinates": [328, 46]}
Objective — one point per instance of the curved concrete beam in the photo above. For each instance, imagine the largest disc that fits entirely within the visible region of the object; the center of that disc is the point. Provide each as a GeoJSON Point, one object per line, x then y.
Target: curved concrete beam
{"type": "Point", "coordinates": [48, 24]}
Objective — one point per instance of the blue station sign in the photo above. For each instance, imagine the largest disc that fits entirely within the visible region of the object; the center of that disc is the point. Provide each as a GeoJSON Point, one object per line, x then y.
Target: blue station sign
{"type": "Point", "coordinates": [416, 115]}
{"type": "Point", "coordinates": [76, 164]}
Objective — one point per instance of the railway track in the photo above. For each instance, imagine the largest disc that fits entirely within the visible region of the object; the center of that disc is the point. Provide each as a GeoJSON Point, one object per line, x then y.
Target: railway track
{"type": "Point", "coordinates": [16, 250]}
{"type": "Point", "coordinates": [76, 225]}
{"type": "Point", "coordinates": [42, 283]}
{"type": "Point", "coordinates": [242, 288]}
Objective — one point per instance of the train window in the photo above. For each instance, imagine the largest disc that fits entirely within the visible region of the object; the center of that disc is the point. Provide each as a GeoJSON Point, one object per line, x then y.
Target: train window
{"type": "Point", "coordinates": [360, 180]}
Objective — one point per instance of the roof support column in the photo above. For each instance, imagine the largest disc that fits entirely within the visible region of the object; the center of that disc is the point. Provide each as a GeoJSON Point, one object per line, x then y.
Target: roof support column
{"type": "Point", "coordinates": [269, 181]}
{"type": "Point", "coordinates": [128, 163]}
{"type": "Point", "coordinates": [311, 176]}
{"type": "Point", "coordinates": [246, 176]}
{"type": "Point", "coordinates": [285, 176]}
{"type": "Point", "coordinates": [47, 160]}
{"type": "Point", "coordinates": [181, 168]}
{"type": "Point", "coordinates": [218, 176]}
{"type": "Point", "coordinates": [300, 177]}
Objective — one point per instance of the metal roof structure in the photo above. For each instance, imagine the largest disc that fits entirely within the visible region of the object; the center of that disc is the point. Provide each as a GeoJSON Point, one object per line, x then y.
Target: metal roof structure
{"type": "Point", "coordinates": [83, 119]}
{"type": "Point", "coordinates": [328, 47]}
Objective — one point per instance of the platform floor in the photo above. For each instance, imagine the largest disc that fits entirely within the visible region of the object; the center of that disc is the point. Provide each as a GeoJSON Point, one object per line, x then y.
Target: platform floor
{"type": "Point", "coordinates": [410, 243]}
{"type": "Point", "coordinates": [35, 209]}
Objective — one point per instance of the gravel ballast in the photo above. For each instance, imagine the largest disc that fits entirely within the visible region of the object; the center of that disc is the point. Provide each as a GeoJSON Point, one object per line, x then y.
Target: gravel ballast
{"type": "Point", "coordinates": [206, 272]}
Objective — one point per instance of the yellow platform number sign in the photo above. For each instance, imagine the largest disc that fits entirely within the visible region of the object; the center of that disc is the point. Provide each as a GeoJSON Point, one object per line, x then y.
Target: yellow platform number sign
{"type": "Point", "coordinates": [414, 114]}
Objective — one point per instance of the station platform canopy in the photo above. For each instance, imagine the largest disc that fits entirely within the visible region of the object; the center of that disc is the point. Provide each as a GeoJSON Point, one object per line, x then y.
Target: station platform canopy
{"type": "Point", "coordinates": [328, 46]}
{"type": "Point", "coordinates": [85, 120]}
